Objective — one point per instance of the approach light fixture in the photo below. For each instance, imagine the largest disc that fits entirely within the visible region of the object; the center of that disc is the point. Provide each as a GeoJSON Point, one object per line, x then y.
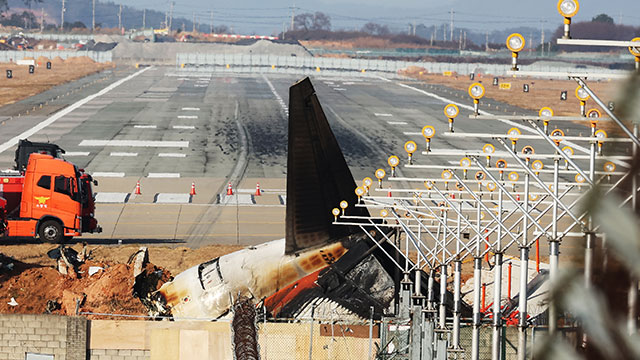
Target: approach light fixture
{"type": "Point", "coordinates": [515, 43]}
{"type": "Point", "coordinates": [568, 9]}
{"type": "Point", "coordinates": [451, 111]}
{"type": "Point", "coordinates": [476, 91]}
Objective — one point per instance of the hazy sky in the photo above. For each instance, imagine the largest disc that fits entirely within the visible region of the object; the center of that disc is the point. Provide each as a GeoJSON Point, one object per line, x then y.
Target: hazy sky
{"type": "Point", "coordinates": [268, 16]}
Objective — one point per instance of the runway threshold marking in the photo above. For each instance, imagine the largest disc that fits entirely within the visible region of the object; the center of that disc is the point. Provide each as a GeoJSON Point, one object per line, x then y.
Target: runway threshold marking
{"type": "Point", "coordinates": [135, 143]}
{"type": "Point", "coordinates": [53, 118]}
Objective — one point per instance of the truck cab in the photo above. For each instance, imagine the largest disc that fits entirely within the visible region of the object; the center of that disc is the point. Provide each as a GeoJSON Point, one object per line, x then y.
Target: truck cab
{"type": "Point", "coordinates": [48, 200]}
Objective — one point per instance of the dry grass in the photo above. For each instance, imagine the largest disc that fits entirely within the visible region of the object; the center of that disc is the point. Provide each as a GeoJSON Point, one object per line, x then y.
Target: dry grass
{"type": "Point", "coordinates": [24, 85]}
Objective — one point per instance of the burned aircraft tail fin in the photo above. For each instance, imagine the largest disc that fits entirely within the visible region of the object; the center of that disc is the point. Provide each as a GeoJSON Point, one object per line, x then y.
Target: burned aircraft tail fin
{"type": "Point", "coordinates": [318, 177]}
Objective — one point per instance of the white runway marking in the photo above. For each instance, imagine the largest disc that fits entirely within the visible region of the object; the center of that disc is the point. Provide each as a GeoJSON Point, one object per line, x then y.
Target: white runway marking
{"type": "Point", "coordinates": [77, 153]}
{"type": "Point", "coordinates": [383, 114]}
{"type": "Point", "coordinates": [190, 109]}
{"type": "Point", "coordinates": [145, 126]}
{"type": "Point", "coordinates": [108, 174]}
{"type": "Point", "coordinates": [198, 85]}
{"type": "Point", "coordinates": [28, 133]}
{"type": "Point", "coordinates": [135, 143]}
{"type": "Point", "coordinates": [173, 155]}
{"type": "Point", "coordinates": [169, 198]}
{"type": "Point", "coordinates": [184, 127]}
{"type": "Point", "coordinates": [396, 123]}
{"type": "Point", "coordinates": [112, 197]}
{"type": "Point", "coordinates": [339, 89]}
{"type": "Point", "coordinates": [284, 107]}
{"type": "Point", "coordinates": [187, 116]}
{"type": "Point", "coordinates": [125, 154]}
{"type": "Point", "coordinates": [164, 175]}
{"type": "Point", "coordinates": [239, 199]}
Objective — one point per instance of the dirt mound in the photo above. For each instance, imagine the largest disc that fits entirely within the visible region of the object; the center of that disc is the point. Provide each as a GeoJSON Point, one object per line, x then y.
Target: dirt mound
{"type": "Point", "coordinates": [95, 287]}
{"type": "Point", "coordinates": [57, 60]}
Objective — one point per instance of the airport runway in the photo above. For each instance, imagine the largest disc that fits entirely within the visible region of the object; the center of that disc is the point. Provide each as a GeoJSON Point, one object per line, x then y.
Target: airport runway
{"type": "Point", "coordinates": [168, 128]}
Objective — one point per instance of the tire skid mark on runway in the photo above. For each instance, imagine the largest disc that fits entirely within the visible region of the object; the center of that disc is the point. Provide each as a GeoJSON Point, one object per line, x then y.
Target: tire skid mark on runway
{"type": "Point", "coordinates": [199, 231]}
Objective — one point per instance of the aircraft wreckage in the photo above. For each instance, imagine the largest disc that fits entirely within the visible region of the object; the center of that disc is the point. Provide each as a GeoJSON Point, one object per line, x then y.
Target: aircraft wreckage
{"type": "Point", "coordinates": [317, 262]}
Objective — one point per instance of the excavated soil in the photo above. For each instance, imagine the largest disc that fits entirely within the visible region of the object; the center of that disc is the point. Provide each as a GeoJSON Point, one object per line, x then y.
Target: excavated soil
{"type": "Point", "coordinates": [24, 85]}
{"type": "Point", "coordinates": [35, 283]}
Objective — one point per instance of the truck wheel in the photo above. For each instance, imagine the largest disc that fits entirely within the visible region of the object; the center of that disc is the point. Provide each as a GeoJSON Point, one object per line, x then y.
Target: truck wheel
{"type": "Point", "coordinates": [50, 231]}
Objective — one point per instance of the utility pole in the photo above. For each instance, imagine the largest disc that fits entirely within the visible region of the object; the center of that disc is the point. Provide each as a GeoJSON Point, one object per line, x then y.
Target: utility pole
{"type": "Point", "coordinates": [93, 15]}
{"type": "Point", "coordinates": [293, 15]}
{"type": "Point", "coordinates": [283, 29]}
{"type": "Point", "coordinates": [433, 33]}
{"type": "Point", "coordinates": [211, 21]}
{"type": "Point", "coordinates": [194, 22]}
{"type": "Point", "coordinates": [42, 20]}
{"type": "Point", "coordinates": [120, 18]}
{"type": "Point", "coordinates": [542, 38]}
{"type": "Point", "coordinates": [460, 41]}
{"type": "Point", "coordinates": [144, 19]}
{"type": "Point", "coordinates": [486, 42]}
{"type": "Point", "coordinates": [451, 26]}
{"type": "Point", "coordinates": [464, 43]}
{"type": "Point", "coordinates": [62, 16]}
{"type": "Point", "coordinates": [171, 16]}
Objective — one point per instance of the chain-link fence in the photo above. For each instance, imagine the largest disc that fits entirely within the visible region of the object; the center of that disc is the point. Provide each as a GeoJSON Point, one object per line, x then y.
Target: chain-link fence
{"type": "Point", "coordinates": [318, 340]}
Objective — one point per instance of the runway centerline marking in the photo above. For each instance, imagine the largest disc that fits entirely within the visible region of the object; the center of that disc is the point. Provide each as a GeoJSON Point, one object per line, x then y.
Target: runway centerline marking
{"type": "Point", "coordinates": [164, 175]}
{"type": "Point", "coordinates": [124, 154]}
{"type": "Point", "coordinates": [396, 123]}
{"type": "Point", "coordinates": [187, 116]}
{"type": "Point", "coordinates": [135, 143]}
{"type": "Point", "coordinates": [190, 109]}
{"type": "Point", "coordinates": [184, 127]}
{"type": "Point", "coordinates": [108, 174]}
{"type": "Point", "coordinates": [53, 118]}
{"type": "Point", "coordinates": [173, 155]}
{"type": "Point", "coordinates": [77, 153]}
{"type": "Point", "coordinates": [145, 126]}
{"type": "Point", "coordinates": [383, 114]}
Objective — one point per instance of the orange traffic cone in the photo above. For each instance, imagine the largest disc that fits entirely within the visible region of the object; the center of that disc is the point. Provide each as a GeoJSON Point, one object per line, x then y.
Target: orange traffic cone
{"type": "Point", "coordinates": [193, 189]}
{"type": "Point", "coordinates": [229, 190]}
{"type": "Point", "coordinates": [258, 192]}
{"type": "Point", "coordinates": [389, 193]}
{"type": "Point", "coordinates": [137, 192]}
{"type": "Point", "coordinates": [518, 197]}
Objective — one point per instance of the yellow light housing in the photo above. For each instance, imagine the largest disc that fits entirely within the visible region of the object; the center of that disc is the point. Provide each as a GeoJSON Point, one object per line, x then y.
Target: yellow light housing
{"type": "Point", "coordinates": [476, 91]}
{"type": "Point", "coordinates": [568, 8]}
{"type": "Point", "coordinates": [515, 42]}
